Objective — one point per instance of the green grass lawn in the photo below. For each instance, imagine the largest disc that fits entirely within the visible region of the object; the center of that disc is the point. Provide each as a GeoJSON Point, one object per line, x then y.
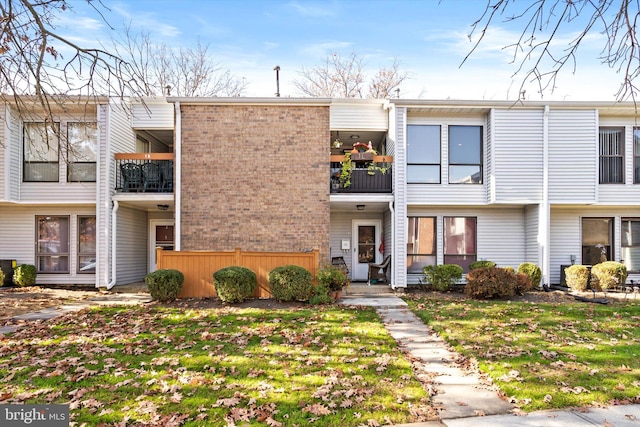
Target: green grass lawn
{"type": "Point", "coordinates": [326, 366]}
{"type": "Point", "coordinates": [545, 355]}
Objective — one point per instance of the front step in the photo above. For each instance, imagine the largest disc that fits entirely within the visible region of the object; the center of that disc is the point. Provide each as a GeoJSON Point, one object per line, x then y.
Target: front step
{"type": "Point", "coordinates": [362, 288]}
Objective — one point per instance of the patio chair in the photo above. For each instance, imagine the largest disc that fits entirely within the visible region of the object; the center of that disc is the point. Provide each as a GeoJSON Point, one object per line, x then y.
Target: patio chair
{"type": "Point", "coordinates": [151, 176]}
{"type": "Point", "coordinates": [378, 272]}
{"type": "Point", "coordinates": [131, 177]}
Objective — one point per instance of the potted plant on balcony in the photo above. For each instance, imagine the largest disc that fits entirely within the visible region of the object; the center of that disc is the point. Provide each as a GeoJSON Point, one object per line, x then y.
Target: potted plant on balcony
{"type": "Point", "coordinates": [346, 170]}
{"type": "Point", "coordinates": [362, 152]}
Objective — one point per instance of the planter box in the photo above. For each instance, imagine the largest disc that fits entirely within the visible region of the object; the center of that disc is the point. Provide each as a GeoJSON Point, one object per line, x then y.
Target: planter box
{"type": "Point", "coordinates": [361, 157]}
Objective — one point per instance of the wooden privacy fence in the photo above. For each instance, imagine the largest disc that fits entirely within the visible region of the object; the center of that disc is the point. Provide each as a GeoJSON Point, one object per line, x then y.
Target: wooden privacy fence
{"type": "Point", "coordinates": [198, 267]}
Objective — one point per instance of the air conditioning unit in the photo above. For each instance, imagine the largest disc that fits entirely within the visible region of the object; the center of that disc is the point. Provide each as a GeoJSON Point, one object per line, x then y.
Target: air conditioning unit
{"type": "Point", "coordinates": [7, 266]}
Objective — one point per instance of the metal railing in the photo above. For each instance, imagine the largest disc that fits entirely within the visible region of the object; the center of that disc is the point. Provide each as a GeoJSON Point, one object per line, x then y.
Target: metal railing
{"type": "Point", "coordinates": [364, 179]}
{"type": "Point", "coordinates": [144, 172]}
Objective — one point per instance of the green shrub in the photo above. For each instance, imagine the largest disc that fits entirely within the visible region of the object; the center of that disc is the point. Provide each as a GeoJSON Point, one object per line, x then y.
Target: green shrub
{"type": "Point", "coordinates": [533, 271]}
{"type": "Point", "coordinates": [442, 277]}
{"type": "Point", "coordinates": [164, 285]}
{"type": "Point", "coordinates": [234, 284]}
{"type": "Point", "coordinates": [25, 275]}
{"type": "Point", "coordinates": [522, 284]}
{"type": "Point", "coordinates": [291, 283]}
{"type": "Point", "coordinates": [320, 295]}
{"type": "Point", "coordinates": [333, 277]}
{"type": "Point", "coordinates": [510, 269]}
{"type": "Point", "coordinates": [608, 275]}
{"type": "Point", "coordinates": [481, 264]}
{"type": "Point", "coordinates": [492, 282]}
{"type": "Point", "coordinates": [577, 277]}
{"type": "Point", "coordinates": [1, 278]}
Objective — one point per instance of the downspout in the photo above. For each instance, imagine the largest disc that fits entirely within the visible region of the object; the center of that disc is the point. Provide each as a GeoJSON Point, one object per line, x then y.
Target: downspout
{"type": "Point", "coordinates": [112, 283]}
{"type": "Point", "coordinates": [178, 184]}
{"type": "Point", "coordinates": [393, 245]}
{"type": "Point", "coordinates": [546, 210]}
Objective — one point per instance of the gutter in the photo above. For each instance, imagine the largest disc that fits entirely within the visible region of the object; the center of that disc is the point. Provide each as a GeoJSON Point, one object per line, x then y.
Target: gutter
{"type": "Point", "coordinates": [112, 283]}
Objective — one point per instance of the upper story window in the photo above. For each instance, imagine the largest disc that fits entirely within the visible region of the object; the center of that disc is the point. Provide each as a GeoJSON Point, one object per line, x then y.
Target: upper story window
{"type": "Point", "coordinates": [611, 143]}
{"type": "Point", "coordinates": [82, 151]}
{"type": "Point", "coordinates": [423, 154]}
{"type": "Point", "coordinates": [41, 152]}
{"type": "Point", "coordinates": [636, 155]}
{"type": "Point", "coordinates": [465, 154]}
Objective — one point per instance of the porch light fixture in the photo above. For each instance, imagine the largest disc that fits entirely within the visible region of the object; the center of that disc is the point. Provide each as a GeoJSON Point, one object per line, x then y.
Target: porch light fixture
{"type": "Point", "coordinates": [163, 207]}
{"type": "Point", "coordinates": [573, 259]}
{"type": "Point", "coordinates": [355, 137]}
{"type": "Point", "coordinates": [360, 207]}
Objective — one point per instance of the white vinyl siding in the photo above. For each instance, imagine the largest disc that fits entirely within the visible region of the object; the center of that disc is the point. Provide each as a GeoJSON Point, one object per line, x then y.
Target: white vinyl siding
{"type": "Point", "coordinates": [501, 234]}
{"type": "Point", "coordinates": [4, 154]}
{"type": "Point", "coordinates": [573, 156]}
{"type": "Point", "coordinates": [532, 222]}
{"type": "Point", "coordinates": [131, 258]}
{"type": "Point", "coordinates": [397, 133]}
{"type": "Point", "coordinates": [364, 115]}
{"type": "Point", "coordinates": [18, 234]}
{"type": "Point", "coordinates": [516, 156]}
{"type": "Point", "coordinates": [153, 114]}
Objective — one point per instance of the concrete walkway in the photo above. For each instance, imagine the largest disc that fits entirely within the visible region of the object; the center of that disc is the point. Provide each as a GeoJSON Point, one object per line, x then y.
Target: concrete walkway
{"type": "Point", "coordinates": [462, 398]}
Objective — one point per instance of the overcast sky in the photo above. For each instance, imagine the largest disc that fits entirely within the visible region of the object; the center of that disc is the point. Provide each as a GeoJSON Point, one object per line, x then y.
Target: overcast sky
{"type": "Point", "coordinates": [428, 38]}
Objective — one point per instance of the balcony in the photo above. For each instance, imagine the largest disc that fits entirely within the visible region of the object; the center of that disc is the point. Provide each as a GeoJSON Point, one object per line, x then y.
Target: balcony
{"type": "Point", "coordinates": [144, 172]}
{"type": "Point", "coordinates": [366, 176]}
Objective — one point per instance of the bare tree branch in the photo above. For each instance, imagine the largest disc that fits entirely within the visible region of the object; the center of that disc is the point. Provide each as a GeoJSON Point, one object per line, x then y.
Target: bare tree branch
{"type": "Point", "coordinates": [541, 60]}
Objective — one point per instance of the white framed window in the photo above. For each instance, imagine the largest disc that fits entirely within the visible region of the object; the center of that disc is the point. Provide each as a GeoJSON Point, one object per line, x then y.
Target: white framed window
{"type": "Point", "coordinates": [460, 234]}
{"type": "Point", "coordinates": [86, 244]}
{"type": "Point", "coordinates": [82, 149]}
{"type": "Point", "coordinates": [423, 154]}
{"type": "Point", "coordinates": [465, 154]}
{"type": "Point", "coordinates": [611, 160]}
{"type": "Point", "coordinates": [52, 244]}
{"type": "Point", "coordinates": [41, 152]}
{"type": "Point", "coordinates": [421, 243]}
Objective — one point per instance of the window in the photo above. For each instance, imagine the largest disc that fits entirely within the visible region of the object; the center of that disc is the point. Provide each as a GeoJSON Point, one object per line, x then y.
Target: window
{"type": "Point", "coordinates": [82, 151]}
{"type": "Point", "coordinates": [597, 240]}
{"type": "Point", "coordinates": [611, 141]}
{"type": "Point", "coordinates": [631, 243]}
{"type": "Point", "coordinates": [460, 241]}
{"type": "Point", "coordinates": [465, 154]}
{"type": "Point", "coordinates": [86, 244]}
{"type": "Point", "coordinates": [421, 243]}
{"type": "Point", "coordinates": [423, 154]}
{"type": "Point", "coordinates": [41, 157]}
{"type": "Point", "coordinates": [636, 155]}
{"type": "Point", "coordinates": [52, 246]}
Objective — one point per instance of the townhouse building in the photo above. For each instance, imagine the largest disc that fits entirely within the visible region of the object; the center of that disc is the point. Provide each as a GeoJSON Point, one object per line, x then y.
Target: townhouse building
{"type": "Point", "coordinates": [433, 182]}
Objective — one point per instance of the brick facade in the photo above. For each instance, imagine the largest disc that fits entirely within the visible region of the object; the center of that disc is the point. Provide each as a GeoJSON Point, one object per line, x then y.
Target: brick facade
{"type": "Point", "coordinates": [255, 177]}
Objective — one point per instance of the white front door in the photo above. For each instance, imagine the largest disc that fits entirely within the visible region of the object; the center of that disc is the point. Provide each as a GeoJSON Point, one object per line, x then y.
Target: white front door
{"type": "Point", "coordinates": [160, 234]}
{"type": "Point", "coordinates": [366, 240]}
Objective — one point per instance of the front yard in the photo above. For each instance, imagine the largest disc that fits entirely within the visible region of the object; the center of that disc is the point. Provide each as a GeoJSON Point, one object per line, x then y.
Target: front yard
{"type": "Point", "coordinates": [544, 355]}
{"type": "Point", "coordinates": [183, 365]}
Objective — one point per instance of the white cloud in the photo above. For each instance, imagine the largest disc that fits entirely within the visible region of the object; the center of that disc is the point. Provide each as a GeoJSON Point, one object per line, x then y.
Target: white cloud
{"type": "Point", "coordinates": [319, 10]}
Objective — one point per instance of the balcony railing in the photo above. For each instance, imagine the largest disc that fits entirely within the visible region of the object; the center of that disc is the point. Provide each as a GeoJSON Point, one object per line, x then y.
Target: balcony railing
{"type": "Point", "coordinates": [144, 172]}
{"type": "Point", "coordinates": [366, 177]}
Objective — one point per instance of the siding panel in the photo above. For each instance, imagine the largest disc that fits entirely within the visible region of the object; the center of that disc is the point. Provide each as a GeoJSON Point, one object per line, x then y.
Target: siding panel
{"type": "Point", "coordinates": [154, 114]}
{"type": "Point", "coordinates": [573, 151]}
{"type": "Point", "coordinates": [367, 115]}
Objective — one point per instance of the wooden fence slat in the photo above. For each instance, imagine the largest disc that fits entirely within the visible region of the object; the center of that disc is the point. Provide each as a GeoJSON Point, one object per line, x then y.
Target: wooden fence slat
{"type": "Point", "coordinates": [198, 267]}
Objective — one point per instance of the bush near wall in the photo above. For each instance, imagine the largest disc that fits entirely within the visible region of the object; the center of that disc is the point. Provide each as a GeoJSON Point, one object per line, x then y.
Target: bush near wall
{"type": "Point", "coordinates": [481, 264]}
{"type": "Point", "coordinates": [608, 275]}
{"type": "Point", "coordinates": [291, 283]}
{"type": "Point", "coordinates": [164, 285]}
{"type": "Point", "coordinates": [577, 277]}
{"type": "Point", "coordinates": [442, 277]}
{"type": "Point", "coordinates": [1, 277]}
{"type": "Point", "coordinates": [25, 275]}
{"type": "Point", "coordinates": [234, 284]}
{"type": "Point", "coordinates": [495, 282]}
{"type": "Point", "coordinates": [532, 271]}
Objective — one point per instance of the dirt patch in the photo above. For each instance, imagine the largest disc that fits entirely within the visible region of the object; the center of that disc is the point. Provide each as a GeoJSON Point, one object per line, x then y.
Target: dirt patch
{"type": "Point", "coordinates": [15, 301]}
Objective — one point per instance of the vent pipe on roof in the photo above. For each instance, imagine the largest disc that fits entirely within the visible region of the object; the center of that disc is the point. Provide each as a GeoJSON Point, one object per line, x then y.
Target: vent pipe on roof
{"type": "Point", "coordinates": [277, 70]}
